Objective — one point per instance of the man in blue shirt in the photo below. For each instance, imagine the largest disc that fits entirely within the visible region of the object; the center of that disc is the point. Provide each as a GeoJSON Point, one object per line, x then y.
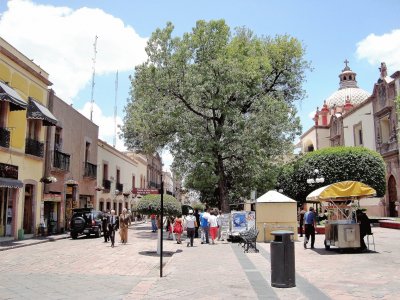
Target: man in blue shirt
{"type": "Point", "coordinates": [309, 227]}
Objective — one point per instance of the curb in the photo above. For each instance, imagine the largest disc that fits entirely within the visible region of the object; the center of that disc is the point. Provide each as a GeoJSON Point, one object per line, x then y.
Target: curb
{"type": "Point", "coordinates": [31, 244]}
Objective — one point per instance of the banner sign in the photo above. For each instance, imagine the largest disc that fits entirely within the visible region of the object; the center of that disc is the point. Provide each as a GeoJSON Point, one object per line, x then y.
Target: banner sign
{"type": "Point", "coordinates": [144, 191]}
{"type": "Point", "coordinates": [52, 197]}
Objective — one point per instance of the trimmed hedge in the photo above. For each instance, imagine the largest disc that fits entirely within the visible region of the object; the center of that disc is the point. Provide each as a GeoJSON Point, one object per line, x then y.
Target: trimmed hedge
{"type": "Point", "coordinates": [151, 204]}
{"type": "Point", "coordinates": [334, 164]}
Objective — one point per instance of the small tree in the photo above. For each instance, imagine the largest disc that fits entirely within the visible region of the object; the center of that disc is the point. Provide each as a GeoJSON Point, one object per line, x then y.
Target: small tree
{"type": "Point", "coordinates": [151, 204]}
{"type": "Point", "coordinates": [335, 164]}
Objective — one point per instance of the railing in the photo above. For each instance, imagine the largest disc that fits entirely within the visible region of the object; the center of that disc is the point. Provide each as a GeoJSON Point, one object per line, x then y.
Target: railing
{"type": "Point", "coordinates": [90, 170]}
{"type": "Point", "coordinates": [4, 137]}
{"type": "Point", "coordinates": [34, 147]}
{"type": "Point", "coordinates": [154, 184]}
{"type": "Point", "coordinates": [8, 171]}
{"type": "Point", "coordinates": [119, 187]}
{"type": "Point", "coordinates": [106, 185]}
{"type": "Point", "coordinates": [61, 160]}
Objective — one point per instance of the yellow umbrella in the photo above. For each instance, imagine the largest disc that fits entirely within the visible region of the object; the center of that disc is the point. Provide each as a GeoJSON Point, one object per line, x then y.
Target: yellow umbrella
{"type": "Point", "coordinates": [343, 189]}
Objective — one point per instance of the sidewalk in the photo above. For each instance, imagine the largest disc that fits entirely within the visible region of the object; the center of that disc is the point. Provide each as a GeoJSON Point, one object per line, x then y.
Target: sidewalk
{"type": "Point", "coordinates": [7, 244]}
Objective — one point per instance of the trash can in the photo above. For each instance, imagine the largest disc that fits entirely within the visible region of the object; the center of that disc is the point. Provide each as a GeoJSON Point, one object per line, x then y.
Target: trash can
{"type": "Point", "coordinates": [282, 259]}
{"type": "Point", "coordinates": [20, 234]}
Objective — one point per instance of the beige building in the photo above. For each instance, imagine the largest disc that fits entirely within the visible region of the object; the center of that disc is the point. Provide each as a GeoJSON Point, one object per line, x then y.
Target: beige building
{"type": "Point", "coordinates": [71, 158]}
{"type": "Point", "coordinates": [117, 175]}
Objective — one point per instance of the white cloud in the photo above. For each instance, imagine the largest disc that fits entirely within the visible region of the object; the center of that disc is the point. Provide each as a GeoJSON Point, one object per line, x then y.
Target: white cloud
{"type": "Point", "coordinates": [381, 48]}
{"type": "Point", "coordinates": [61, 39]}
{"type": "Point", "coordinates": [106, 125]}
{"type": "Point", "coordinates": [311, 115]}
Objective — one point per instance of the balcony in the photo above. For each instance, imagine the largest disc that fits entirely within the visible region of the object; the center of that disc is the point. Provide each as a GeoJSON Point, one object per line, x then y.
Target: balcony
{"type": "Point", "coordinates": [90, 170]}
{"type": "Point", "coordinates": [119, 187]}
{"type": "Point", "coordinates": [61, 160]}
{"type": "Point", "coordinates": [387, 147]}
{"type": "Point", "coordinates": [154, 184]}
{"type": "Point", "coordinates": [106, 185]}
{"type": "Point", "coordinates": [34, 147]}
{"type": "Point", "coordinates": [4, 137]}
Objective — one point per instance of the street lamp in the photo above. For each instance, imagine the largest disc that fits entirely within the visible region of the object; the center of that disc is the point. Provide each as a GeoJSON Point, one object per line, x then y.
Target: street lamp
{"type": "Point", "coordinates": [316, 178]}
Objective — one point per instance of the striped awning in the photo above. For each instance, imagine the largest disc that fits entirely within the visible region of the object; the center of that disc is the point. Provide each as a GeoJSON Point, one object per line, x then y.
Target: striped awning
{"type": "Point", "coordinates": [11, 183]}
{"type": "Point", "coordinates": [8, 94]}
{"type": "Point", "coordinates": [39, 112]}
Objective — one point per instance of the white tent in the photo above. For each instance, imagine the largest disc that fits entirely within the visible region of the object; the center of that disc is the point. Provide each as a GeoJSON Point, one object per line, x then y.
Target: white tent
{"type": "Point", "coordinates": [275, 211]}
{"type": "Point", "coordinates": [273, 196]}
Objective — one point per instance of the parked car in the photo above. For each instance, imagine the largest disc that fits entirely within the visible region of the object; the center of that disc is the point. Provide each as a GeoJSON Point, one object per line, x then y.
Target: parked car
{"type": "Point", "coordinates": [86, 221]}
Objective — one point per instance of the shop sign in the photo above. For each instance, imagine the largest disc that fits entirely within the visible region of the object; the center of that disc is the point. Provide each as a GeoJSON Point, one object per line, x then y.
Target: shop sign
{"type": "Point", "coordinates": [8, 171]}
{"type": "Point", "coordinates": [144, 191]}
{"type": "Point", "coordinates": [52, 197]}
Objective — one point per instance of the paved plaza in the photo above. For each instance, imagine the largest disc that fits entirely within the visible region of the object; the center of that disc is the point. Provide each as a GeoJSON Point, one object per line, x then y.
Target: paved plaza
{"type": "Point", "coordinates": [88, 268]}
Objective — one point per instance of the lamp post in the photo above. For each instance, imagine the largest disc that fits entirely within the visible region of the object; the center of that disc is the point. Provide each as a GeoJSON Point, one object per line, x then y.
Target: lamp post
{"type": "Point", "coordinates": [316, 178]}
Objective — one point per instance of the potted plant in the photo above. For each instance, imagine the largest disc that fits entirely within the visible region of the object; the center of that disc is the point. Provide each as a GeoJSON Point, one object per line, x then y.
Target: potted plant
{"type": "Point", "coordinates": [48, 179]}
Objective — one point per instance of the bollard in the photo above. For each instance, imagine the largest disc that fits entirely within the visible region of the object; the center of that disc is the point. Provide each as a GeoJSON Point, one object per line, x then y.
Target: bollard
{"type": "Point", "coordinates": [282, 259]}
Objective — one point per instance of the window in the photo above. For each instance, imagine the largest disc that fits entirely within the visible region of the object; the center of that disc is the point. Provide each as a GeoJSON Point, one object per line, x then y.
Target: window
{"type": "Point", "coordinates": [3, 113]}
{"type": "Point", "coordinates": [87, 151]}
{"type": "Point", "coordinates": [385, 129]}
{"type": "Point", "coordinates": [133, 181]}
{"type": "Point", "coordinates": [34, 129]}
{"type": "Point", "coordinates": [105, 171]}
{"type": "Point", "coordinates": [118, 176]}
{"type": "Point", "coordinates": [358, 135]}
{"type": "Point", "coordinates": [57, 139]}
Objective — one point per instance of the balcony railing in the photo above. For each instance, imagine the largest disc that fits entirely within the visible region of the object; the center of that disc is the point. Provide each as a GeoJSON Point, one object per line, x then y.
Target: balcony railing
{"type": "Point", "coordinates": [61, 160]}
{"type": "Point", "coordinates": [90, 170]}
{"type": "Point", "coordinates": [154, 184]}
{"type": "Point", "coordinates": [388, 147]}
{"type": "Point", "coordinates": [4, 137]}
{"type": "Point", "coordinates": [119, 187]}
{"type": "Point", "coordinates": [106, 185]}
{"type": "Point", "coordinates": [34, 147]}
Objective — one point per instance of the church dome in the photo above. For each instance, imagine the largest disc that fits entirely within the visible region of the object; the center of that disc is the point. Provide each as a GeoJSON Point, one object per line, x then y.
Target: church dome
{"type": "Point", "coordinates": [348, 89]}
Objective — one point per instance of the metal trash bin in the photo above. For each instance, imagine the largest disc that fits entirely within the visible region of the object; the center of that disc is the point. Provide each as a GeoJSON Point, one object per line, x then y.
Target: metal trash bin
{"type": "Point", "coordinates": [282, 259]}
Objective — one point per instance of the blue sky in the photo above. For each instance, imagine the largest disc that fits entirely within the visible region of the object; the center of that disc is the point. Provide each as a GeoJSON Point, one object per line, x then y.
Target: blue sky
{"type": "Point", "coordinates": [365, 32]}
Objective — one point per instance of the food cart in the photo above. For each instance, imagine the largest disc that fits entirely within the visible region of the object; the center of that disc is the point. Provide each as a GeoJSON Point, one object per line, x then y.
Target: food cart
{"type": "Point", "coordinates": [341, 202]}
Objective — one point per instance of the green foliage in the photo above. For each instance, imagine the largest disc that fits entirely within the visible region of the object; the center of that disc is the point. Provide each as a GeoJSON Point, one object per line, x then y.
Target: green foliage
{"type": "Point", "coordinates": [222, 102]}
{"type": "Point", "coordinates": [335, 164]}
{"type": "Point", "coordinates": [150, 204]}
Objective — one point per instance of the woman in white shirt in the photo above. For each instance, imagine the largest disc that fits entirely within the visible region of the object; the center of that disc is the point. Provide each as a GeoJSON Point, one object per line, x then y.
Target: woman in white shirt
{"type": "Point", "coordinates": [213, 224]}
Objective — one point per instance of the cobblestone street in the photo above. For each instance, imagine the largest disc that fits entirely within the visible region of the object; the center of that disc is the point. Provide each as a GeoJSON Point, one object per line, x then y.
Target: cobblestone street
{"type": "Point", "coordinates": [88, 268]}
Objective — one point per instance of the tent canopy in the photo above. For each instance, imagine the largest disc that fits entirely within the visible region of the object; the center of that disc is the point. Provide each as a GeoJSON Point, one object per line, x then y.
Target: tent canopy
{"type": "Point", "coordinates": [273, 197]}
{"type": "Point", "coordinates": [343, 189]}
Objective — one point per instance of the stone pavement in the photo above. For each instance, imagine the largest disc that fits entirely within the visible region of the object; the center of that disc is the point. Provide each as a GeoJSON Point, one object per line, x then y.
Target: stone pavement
{"type": "Point", "coordinates": [90, 269]}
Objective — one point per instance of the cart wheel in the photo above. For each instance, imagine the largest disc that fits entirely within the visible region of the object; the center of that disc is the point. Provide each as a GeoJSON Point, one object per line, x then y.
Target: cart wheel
{"type": "Point", "coordinates": [327, 247]}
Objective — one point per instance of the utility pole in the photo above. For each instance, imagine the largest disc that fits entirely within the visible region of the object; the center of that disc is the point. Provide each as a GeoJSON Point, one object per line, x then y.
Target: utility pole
{"type": "Point", "coordinates": [93, 74]}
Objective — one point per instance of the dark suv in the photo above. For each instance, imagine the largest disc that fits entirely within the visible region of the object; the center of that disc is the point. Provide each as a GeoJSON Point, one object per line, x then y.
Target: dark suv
{"type": "Point", "coordinates": [86, 221]}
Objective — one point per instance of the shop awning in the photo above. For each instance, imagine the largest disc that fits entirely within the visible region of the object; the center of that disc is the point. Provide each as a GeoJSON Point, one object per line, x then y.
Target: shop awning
{"type": "Point", "coordinates": [340, 190]}
{"type": "Point", "coordinates": [39, 112]}
{"type": "Point", "coordinates": [11, 183]}
{"type": "Point", "coordinates": [9, 94]}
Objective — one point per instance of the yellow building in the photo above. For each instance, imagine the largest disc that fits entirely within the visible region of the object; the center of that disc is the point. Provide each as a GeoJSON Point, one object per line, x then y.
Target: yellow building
{"type": "Point", "coordinates": [23, 101]}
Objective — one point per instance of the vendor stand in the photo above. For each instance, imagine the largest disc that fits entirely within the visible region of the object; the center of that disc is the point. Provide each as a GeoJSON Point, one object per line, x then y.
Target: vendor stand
{"type": "Point", "coordinates": [341, 202]}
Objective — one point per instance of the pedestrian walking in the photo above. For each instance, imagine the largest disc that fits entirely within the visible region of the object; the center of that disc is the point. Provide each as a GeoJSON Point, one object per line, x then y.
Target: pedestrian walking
{"type": "Point", "coordinates": [104, 226]}
{"type": "Point", "coordinates": [219, 222]}
{"type": "Point", "coordinates": [301, 220]}
{"type": "Point", "coordinates": [204, 227]}
{"type": "Point", "coordinates": [168, 227]}
{"type": "Point", "coordinates": [178, 229]}
{"type": "Point", "coordinates": [190, 225]}
{"type": "Point", "coordinates": [213, 225]}
{"type": "Point", "coordinates": [123, 225]}
{"type": "Point", "coordinates": [113, 225]}
{"type": "Point", "coordinates": [197, 216]}
{"type": "Point", "coordinates": [309, 227]}
{"type": "Point", "coordinates": [153, 218]}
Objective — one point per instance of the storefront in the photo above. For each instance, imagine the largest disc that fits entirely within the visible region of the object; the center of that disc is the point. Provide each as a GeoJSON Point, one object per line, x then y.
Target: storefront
{"type": "Point", "coordinates": [51, 212]}
{"type": "Point", "coordinates": [9, 191]}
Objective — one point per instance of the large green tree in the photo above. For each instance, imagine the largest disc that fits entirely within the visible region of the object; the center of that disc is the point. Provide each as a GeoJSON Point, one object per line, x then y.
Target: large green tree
{"type": "Point", "coordinates": [334, 164]}
{"type": "Point", "coordinates": [221, 102]}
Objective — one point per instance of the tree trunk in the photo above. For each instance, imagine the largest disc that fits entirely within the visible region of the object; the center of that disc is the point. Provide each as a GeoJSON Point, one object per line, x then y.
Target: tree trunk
{"type": "Point", "coordinates": [222, 188]}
